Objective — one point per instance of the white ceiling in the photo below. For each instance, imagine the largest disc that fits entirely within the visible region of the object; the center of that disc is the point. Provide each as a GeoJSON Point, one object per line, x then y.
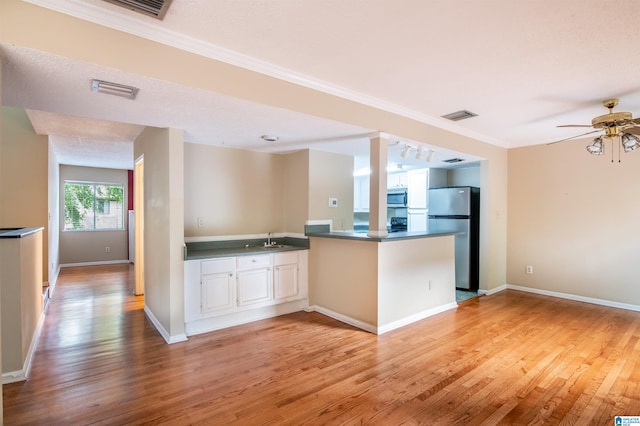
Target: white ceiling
{"type": "Point", "coordinates": [524, 67]}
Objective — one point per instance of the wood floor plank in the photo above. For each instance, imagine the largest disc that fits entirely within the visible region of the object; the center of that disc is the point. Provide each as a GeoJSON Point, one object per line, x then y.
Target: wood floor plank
{"type": "Point", "coordinates": [509, 358]}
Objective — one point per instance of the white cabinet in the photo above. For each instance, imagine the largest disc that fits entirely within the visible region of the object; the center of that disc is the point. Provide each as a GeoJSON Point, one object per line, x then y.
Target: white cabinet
{"type": "Point", "coordinates": [226, 291]}
{"type": "Point", "coordinates": [397, 180]}
{"type": "Point", "coordinates": [417, 189]}
{"type": "Point", "coordinates": [361, 194]}
{"type": "Point", "coordinates": [285, 276]}
{"type": "Point", "coordinates": [254, 284]}
{"type": "Point", "coordinates": [217, 285]}
{"type": "Point", "coordinates": [416, 220]}
{"type": "Point", "coordinates": [217, 292]}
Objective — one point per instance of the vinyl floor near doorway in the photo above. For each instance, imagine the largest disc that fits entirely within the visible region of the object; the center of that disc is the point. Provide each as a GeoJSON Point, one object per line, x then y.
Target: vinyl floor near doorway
{"type": "Point", "coordinates": [510, 358]}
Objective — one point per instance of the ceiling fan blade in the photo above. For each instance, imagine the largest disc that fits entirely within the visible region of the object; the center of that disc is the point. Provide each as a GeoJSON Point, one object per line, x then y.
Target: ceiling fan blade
{"type": "Point", "coordinates": [633, 130]}
{"type": "Point", "coordinates": [576, 125]}
{"type": "Point", "coordinates": [573, 137]}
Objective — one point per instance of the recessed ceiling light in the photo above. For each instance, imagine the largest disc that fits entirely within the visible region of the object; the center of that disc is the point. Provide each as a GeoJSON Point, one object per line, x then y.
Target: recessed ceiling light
{"type": "Point", "coordinates": [269, 138]}
{"type": "Point", "coordinates": [101, 86]}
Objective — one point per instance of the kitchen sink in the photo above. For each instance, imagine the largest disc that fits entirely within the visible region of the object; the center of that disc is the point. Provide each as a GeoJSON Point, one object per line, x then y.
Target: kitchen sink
{"type": "Point", "coordinates": [276, 246]}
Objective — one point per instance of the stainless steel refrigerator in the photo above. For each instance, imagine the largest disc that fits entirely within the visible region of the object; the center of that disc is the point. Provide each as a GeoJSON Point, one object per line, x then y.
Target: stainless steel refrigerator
{"type": "Point", "coordinates": [458, 209]}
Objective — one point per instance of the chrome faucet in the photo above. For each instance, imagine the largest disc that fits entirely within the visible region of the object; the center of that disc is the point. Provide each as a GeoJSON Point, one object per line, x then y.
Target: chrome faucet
{"type": "Point", "coordinates": [268, 243]}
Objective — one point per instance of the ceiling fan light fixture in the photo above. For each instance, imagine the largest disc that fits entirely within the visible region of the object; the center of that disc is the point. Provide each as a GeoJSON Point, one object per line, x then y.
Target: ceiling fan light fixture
{"type": "Point", "coordinates": [630, 142]}
{"type": "Point", "coordinates": [596, 147]}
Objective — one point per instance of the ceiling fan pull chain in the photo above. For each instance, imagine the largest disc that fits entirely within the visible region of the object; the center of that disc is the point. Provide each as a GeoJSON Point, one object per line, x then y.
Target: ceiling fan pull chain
{"type": "Point", "coordinates": [619, 151]}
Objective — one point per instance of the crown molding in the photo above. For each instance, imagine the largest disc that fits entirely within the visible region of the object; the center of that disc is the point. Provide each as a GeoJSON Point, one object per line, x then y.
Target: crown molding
{"type": "Point", "coordinates": [134, 25]}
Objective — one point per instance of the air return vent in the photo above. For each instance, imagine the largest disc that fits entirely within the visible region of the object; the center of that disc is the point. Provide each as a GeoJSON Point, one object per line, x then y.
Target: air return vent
{"type": "Point", "coordinates": [453, 160]}
{"type": "Point", "coordinates": [154, 8]}
{"type": "Point", "coordinates": [460, 115]}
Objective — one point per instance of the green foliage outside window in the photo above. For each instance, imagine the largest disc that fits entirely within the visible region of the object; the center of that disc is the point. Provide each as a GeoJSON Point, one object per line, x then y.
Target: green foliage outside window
{"type": "Point", "coordinates": [92, 206]}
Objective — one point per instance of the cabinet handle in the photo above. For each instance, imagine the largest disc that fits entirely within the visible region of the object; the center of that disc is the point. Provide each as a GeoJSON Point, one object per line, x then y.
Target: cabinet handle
{"type": "Point", "coordinates": [230, 274]}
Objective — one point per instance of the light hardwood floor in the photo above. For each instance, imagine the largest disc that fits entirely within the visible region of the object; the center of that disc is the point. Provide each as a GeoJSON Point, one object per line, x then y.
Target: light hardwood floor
{"type": "Point", "coordinates": [510, 358]}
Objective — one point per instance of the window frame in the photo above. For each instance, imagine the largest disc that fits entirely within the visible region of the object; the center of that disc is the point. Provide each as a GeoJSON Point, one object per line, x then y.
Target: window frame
{"type": "Point", "coordinates": [93, 210]}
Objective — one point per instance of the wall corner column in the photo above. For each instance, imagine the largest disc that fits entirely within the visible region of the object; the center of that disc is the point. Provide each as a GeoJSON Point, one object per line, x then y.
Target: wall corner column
{"type": "Point", "coordinates": [378, 185]}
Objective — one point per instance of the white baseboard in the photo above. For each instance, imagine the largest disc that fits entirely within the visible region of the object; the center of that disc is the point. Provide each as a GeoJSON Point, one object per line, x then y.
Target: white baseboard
{"type": "Point", "coordinates": [577, 298]}
{"type": "Point", "coordinates": [207, 325]}
{"type": "Point", "coordinates": [493, 290]}
{"type": "Point", "coordinates": [105, 262]}
{"type": "Point", "coordinates": [387, 327]}
{"type": "Point", "coordinates": [416, 317]}
{"type": "Point", "coordinates": [163, 332]}
{"type": "Point", "coordinates": [345, 319]}
{"type": "Point", "coordinates": [22, 375]}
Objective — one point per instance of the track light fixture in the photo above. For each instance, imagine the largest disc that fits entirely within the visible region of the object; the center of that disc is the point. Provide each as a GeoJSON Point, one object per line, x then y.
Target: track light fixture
{"type": "Point", "coordinates": [422, 153]}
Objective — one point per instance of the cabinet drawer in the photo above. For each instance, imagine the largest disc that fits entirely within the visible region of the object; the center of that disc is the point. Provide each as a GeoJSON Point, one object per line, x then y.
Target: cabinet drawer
{"type": "Point", "coordinates": [251, 262]}
{"type": "Point", "coordinates": [215, 266]}
{"type": "Point", "coordinates": [285, 258]}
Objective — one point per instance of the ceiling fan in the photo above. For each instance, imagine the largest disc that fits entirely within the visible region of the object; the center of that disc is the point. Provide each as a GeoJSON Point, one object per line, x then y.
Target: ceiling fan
{"type": "Point", "coordinates": [614, 125]}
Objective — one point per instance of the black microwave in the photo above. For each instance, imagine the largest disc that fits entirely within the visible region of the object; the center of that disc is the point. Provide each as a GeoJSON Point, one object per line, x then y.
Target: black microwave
{"type": "Point", "coordinates": [397, 199]}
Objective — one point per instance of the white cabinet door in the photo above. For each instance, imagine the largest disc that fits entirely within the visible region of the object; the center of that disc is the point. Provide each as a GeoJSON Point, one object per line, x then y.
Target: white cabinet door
{"type": "Point", "coordinates": [254, 286]}
{"type": "Point", "coordinates": [397, 180]}
{"type": "Point", "coordinates": [217, 292]}
{"type": "Point", "coordinates": [417, 189]}
{"type": "Point", "coordinates": [416, 220]}
{"type": "Point", "coordinates": [286, 282]}
{"type": "Point", "coordinates": [361, 194]}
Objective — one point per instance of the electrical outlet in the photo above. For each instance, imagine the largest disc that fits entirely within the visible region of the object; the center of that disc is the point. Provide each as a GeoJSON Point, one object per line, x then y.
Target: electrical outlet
{"type": "Point", "coordinates": [200, 221]}
{"type": "Point", "coordinates": [529, 270]}
{"type": "Point", "coordinates": [107, 249]}
{"type": "Point", "coordinates": [333, 202]}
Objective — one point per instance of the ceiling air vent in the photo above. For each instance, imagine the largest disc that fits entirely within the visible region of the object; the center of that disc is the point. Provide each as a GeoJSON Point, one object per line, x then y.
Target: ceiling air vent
{"type": "Point", "coordinates": [154, 8]}
{"type": "Point", "coordinates": [460, 115]}
{"type": "Point", "coordinates": [453, 160]}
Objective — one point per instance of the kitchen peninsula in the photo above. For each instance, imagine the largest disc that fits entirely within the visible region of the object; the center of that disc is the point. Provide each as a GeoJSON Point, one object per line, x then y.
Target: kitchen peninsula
{"type": "Point", "coordinates": [381, 283]}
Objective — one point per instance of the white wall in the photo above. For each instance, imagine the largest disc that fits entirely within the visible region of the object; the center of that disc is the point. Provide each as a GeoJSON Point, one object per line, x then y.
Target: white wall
{"type": "Point", "coordinates": [54, 218]}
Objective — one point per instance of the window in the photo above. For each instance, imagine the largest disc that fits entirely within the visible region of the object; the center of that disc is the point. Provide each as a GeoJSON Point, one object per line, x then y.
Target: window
{"type": "Point", "coordinates": [91, 206]}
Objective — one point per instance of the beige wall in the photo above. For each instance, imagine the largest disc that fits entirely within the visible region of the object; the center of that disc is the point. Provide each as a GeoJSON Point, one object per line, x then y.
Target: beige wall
{"type": "Point", "coordinates": [574, 218]}
{"type": "Point", "coordinates": [414, 277]}
{"type": "Point", "coordinates": [163, 151]}
{"type": "Point", "coordinates": [24, 176]}
{"type": "Point", "coordinates": [21, 297]}
{"type": "Point", "coordinates": [235, 191]}
{"type": "Point", "coordinates": [1, 127]}
{"type": "Point", "coordinates": [331, 176]}
{"type": "Point", "coordinates": [22, 24]}
{"type": "Point", "coordinates": [339, 287]}
{"type": "Point", "coordinates": [296, 184]}
{"type": "Point", "coordinates": [89, 246]}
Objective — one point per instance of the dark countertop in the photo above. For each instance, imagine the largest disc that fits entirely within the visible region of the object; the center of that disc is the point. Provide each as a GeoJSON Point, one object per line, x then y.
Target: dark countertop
{"type": "Point", "coordinates": [212, 249]}
{"type": "Point", "coordinates": [393, 236]}
{"type": "Point", "coordinates": [18, 232]}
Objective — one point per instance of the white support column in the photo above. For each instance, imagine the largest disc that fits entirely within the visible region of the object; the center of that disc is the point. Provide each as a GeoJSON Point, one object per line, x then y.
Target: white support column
{"type": "Point", "coordinates": [378, 185]}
